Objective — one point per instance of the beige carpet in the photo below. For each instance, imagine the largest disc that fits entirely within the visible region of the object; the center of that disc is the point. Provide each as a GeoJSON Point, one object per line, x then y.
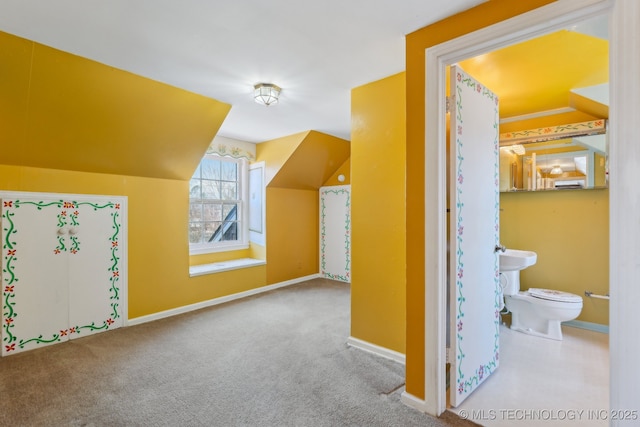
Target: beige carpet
{"type": "Point", "coordinates": [276, 359]}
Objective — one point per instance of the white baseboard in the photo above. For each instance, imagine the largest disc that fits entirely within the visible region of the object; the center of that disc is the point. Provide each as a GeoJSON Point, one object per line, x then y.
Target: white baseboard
{"type": "Point", "coordinates": [377, 350]}
{"type": "Point", "coordinates": [413, 402]}
{"type": "Point", "coordinates": [596, 327]}
{"type": "Point", "coordinates": [216, 301]}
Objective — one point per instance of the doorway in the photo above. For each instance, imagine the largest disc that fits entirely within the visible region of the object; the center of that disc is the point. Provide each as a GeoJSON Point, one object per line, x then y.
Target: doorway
{"type": "Point", "coordinates": [555, 16]}
{"type": "Point", "coordinates": [536, 79]}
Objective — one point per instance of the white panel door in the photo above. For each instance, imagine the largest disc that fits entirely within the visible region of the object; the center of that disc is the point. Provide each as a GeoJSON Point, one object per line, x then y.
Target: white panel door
{"type": "Point", "coordinates": [335, 232]}
{"type": "Point", "coordinates": [63, 268]}
{"type": "Point", "coordinates": [35, 271]}
{"type": "Point", "coordinates": [474, 215]}
{"type": "Point", "coordinates": [95, 295]}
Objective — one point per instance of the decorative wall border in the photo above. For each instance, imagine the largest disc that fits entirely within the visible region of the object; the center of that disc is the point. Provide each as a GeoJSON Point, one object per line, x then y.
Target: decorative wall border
{"type": "Point", "coordinates": [338, 190]}
{"type": "Point", "coordinates": [233, 148]}
{"type": "Point", "coordinates": [465, 385]}
{"type": "Point", "coordinates": [549, 133]}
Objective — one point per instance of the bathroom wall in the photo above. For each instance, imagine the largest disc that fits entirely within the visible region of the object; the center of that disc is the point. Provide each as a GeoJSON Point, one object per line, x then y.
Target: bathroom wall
{"type": "Point", "coordinates": [569, 230]}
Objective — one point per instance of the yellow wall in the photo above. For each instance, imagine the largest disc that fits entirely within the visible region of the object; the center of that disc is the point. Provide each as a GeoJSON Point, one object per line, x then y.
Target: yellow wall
{"type": "Point", "coordinates": [378, 213]}
{"type": "Point", "coordinates": [275, 153]}
{"type": "Point", "coordinates": [296, 166]}
{"type": "Point", "coordinates": [292, 234]}
{"type": "Point", "coordinates": [158, 263]}
{"type": "Point", "coordinates": [569, 230]}
{"type": "Point", "coordinates": [72, 125]}
{"type": "Point", "coordinates": [344, 170]}
{"type": "Point", "coordinates": [416, 43]}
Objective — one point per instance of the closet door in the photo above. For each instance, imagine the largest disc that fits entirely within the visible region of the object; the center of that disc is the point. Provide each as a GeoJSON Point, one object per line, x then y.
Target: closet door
{"type": "Point", "coordinates": [63, 268]}
{"type": "Point", "coordinates": [335, 232]}
{"type": "Point", "coordinates": [35, 271]}
{"type": "Point", "coordinates": [95, 266]}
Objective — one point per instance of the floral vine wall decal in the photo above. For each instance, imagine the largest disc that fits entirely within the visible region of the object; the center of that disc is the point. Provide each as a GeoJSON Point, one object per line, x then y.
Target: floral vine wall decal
{"type": "Point", "coordinates": [466, 384]}
{"type": "Point", "coordinates": [67, 224]}
{"type": "Point", "coordinates": [346, 277]}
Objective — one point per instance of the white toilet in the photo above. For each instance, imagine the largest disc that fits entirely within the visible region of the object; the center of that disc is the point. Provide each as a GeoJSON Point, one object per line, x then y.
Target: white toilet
{"type": "Point", "coordinates": [536, 311]}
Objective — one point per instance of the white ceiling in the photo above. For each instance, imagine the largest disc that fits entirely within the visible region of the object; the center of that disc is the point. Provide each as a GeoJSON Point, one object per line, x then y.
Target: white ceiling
{"type": "Point", "coordinates": [316, 51]}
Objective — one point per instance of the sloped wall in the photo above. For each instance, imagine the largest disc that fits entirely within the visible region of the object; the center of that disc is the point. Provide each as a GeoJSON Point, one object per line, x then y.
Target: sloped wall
{"type": "Point", "coordinates": [296, 167]}
{"type": "Point", "coordinates": [62, 111]}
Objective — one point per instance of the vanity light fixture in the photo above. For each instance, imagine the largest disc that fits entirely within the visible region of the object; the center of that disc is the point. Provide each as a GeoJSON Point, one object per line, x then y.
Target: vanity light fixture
{"type": "Point", "coordinates": [556, 170]}
{"type": "Point", "coordinates": [266, 93]}
{"type": "Point", "coordinates": [517, 149]}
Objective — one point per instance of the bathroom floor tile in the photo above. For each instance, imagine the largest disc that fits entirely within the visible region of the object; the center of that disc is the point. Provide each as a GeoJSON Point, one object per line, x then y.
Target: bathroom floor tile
{"type": "Point", "coordinates": [545, 382]}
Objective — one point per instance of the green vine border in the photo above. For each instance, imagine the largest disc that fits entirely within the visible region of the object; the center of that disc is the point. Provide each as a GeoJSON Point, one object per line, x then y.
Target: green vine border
{"type": "Point", "coordinates": [347, 235]}
{"type": "Point", "coordinates": [10, 258]}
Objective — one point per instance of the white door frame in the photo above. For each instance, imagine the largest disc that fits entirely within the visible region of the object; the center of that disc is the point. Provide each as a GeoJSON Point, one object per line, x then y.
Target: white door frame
{"type": "Point", "coordinates": [624, 192]}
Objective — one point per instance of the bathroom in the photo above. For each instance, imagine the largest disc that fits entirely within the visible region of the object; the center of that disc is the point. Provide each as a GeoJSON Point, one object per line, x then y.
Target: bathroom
{"type": "Point", "coordinates": [568, 229]}
{"type": "Point", "coordinates": [566, 226]}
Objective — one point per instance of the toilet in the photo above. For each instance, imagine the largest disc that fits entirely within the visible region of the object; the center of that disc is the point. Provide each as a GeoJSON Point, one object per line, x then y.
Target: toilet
{"type": "Point", "coordinates": [538, 311]}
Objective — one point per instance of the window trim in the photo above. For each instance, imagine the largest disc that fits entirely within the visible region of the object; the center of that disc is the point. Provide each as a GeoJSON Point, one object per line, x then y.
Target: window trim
{"type": "Point", "coordinates": [243, 242]}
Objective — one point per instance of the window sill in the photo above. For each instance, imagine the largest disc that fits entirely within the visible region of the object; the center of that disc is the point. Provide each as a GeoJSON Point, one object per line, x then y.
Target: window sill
{"type": "Point", "coordinates": [219, 267]}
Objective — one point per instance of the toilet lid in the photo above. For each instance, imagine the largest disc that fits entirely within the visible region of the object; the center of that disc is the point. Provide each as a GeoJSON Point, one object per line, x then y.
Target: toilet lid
{"type": "Point", "coordinates": [553, 295]}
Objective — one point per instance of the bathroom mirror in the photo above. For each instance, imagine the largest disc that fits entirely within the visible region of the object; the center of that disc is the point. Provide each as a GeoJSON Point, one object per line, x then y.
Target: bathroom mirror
{"type": "Point", "coordinates": [550, 161]}
{"type": "Point", "coordinates": [570, 151]}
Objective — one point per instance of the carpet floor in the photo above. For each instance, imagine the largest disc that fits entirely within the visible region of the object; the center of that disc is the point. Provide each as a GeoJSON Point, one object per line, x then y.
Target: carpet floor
{"type": "Point", "coordinates": [274, 359]}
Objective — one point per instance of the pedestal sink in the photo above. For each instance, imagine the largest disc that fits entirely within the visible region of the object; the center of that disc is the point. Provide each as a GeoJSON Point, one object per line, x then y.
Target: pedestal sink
{"type": "Point", "coordinates": [516, 260]}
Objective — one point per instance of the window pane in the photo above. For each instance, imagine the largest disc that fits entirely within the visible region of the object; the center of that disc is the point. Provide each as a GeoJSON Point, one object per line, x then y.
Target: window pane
{"type": "Point", "coordinates": [210, 230]}
{"type": "Point", "coordinates": [229, 191]}
{"type": "Point", "coordinates": [212, 212]}
{"type": "Point", "coordinates": [211, 221]}
{"type": "Point", "coordinates": [194, 189]}
{"type": "Point", "coordinates": [230, 171]}
{"type": "Point", "coordinates": [195, 212]}
{"type": "Point", "coordinates": [230, 231]}
{"type": "Point", "coordinates": [211, 190]}
{"type": "Point", "coordinates": [196, 173]}
{"type": "Point", "coordinates": [210, 168]}
{"type": "Point", "coordinates": [195, 232]}
{"type": "Point", "coordinates": [229, 212]}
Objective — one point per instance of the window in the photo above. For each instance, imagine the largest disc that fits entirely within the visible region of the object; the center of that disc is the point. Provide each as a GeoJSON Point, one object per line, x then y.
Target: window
{"type": "Point", "coordinates": [217, 194]}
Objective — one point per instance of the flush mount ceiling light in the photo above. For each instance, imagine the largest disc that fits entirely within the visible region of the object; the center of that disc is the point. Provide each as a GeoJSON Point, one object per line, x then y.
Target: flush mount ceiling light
{"type": "Point", "coordinates": [266, 93]}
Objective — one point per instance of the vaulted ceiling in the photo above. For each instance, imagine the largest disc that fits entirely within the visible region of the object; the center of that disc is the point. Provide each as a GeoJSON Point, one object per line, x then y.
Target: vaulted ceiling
{"type": "Point", "coordinates": [316, 51]}
{"type": "Point", "coordinates": [143, 89]}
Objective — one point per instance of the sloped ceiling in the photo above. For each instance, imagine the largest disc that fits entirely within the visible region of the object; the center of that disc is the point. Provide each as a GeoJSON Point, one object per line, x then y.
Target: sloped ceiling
{"type": "Point", "coordinates": [61, 111]}
{"type": "Point", "coordinates": [307, 159]}
{"type": "Point", "coordinates": [315, 51]}
{"type": "Point", "coordinates": [538, 75]}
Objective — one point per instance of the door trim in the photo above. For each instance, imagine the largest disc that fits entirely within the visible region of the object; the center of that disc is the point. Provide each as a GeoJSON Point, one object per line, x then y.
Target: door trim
{"type": "Point", "coordinates": [522, 27]}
